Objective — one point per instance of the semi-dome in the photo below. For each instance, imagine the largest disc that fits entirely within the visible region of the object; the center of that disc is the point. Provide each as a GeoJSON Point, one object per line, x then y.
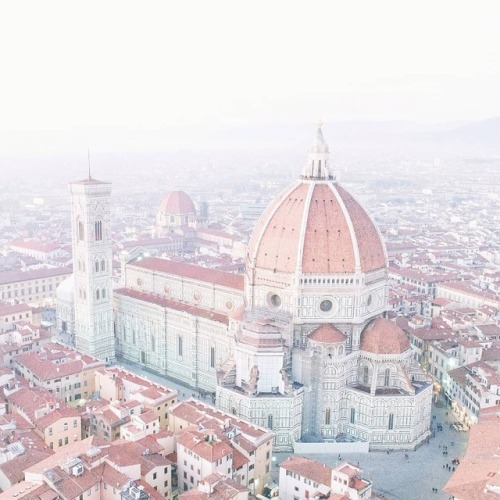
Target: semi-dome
{"type": "Point", "coordinates": [382, 336]}
{"type": "Point", "coordinates": [327, 334]}
{"type": "Point", "coordinates": [315, 226]}
{"type": "Point", "coordinates": [66, 289]}
{"type": "Point", "coordinates": [177, 203]}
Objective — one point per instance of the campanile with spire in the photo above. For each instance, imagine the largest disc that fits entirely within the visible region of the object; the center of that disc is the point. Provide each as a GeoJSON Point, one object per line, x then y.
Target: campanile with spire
{"type": "Point", "coordinates": [92, 267]}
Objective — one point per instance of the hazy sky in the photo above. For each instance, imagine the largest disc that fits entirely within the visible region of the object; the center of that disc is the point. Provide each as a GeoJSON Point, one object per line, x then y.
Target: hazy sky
{"type": "Point", "coordinates": [147, 65]}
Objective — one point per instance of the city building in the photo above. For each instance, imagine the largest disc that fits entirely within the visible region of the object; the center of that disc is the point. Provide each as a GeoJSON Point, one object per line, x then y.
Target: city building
{"type": "Point", "coordinates": [61, 370]}
{"type": "Point", "coordinates": [57, 424]}
{"type": "Point", "coordinates": [92, 268]}
{"type": "Point", "coordinates": [214, 487]}
{"type": "Point", "coordinates": [24, 337]}
{"type": "Point", "coordinates": [44, 252]}
{"type": "Point", "coordinates": [10, 313]}
{"type": "Point", "coordinates": [299, 343]}
{"type": "Point", "coordinates": [36, 287]}
{"type": "Point", "coordinates": [212, 441]}
{"type": "Point", "coordinates": [314, 357]}
{"type": "Point", "coordinates": [175, 318]}
{"type": "Point", "coordinates": [97, 471]}
{"type": "Point", "coordinates": [476, 475]}
{"type": "Point", "coordinates": [302, 477]}
{"type": "Point", "coordinates": [114, 384]}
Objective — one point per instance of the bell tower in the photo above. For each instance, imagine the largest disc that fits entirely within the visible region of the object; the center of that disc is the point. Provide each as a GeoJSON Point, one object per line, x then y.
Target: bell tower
{"type": "Point", "coordinates": [92, 267]}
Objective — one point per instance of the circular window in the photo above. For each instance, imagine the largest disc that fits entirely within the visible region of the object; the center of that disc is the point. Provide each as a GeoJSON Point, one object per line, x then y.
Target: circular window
{"type": "Point", "coordinates": [139, 281]}
{"type": "Point", "coordinates": [370, 302]}
{"type": "Point", "coordinates": [229, 304]}
{"type": "Point", "coordinates": [197, 296]}
{"type": "Point", "coordinates": [167, 289]}
{"type": "Point", "coordinates": [326, 305]}
{"type": "Point", "coordinates": [275, 300]}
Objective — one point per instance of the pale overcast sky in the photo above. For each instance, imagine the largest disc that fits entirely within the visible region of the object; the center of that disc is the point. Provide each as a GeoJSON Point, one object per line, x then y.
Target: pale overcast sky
{"type": "Point", "coordinates": [147, 64]}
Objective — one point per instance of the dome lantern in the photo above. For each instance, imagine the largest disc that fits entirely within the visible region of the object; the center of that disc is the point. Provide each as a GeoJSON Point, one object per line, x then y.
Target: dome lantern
{"type": "Point", "coordinates": [318, 162]}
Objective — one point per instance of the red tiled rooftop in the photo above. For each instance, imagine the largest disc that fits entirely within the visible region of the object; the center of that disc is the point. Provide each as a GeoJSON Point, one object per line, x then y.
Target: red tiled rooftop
{"type": "Point", "coordinates": [194, 411]}
{"type": "Point", "coordinates": [210, 450]}
{"type": "Point", "coordinates": [172, 304]}
{"type": "Point", "coordinates": [382, 336]}
{"type": "Point", "coordinates": [310, 469]}
{"type": "Point", "coordinates": [14, 308]}
{"type": "Point", "coordinates": [177, 203]}
{"type": "Point", "coordinates": [35, 245]}
{"type": "Point", "coordinates": [33, 274]}
{"type": "Point", "coordinates": [229, 280]}
{"type": "Point", "coordinates": [327, 334]}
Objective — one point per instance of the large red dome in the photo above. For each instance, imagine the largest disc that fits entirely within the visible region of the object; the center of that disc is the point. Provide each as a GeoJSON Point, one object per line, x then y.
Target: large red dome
{"type": "Point", "coordinates": [177, 203]}
{"type": "Point", "coordinates": [315, 226]}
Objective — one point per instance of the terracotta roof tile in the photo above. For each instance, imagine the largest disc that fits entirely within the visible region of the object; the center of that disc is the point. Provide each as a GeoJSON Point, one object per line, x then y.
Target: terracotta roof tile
{"type": "Point", "coordinates": [327, 334]}
{"type": "Point", "coordinates": [177, 203]}
{"type": "Point", "coordinates": [310, 469]}
{"type": "Point", "coordinates": [382, 336]}
{"type": "Point", "coordinates": [172, 304]}
{"type": "Point", "coordinates": [184, 270]}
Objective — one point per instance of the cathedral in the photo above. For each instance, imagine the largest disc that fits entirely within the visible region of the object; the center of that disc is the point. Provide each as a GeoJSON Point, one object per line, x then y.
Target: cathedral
{"type": "Point", "coordinates": [299, 343]}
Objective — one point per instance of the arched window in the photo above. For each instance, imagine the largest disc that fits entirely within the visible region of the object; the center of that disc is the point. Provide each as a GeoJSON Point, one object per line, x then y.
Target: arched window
{"type": "Point", "coordinates": [103, 265]}
{"type": "Point", "coordinates": [365, 375]}
{"type": "Point", "coordinates": [96, 266]}
{"type": "Point", "coordinates": [98, 230]}
{"type": "Point", "coordinates": [391, 421]}
{"type": "Point", "coordinates": [387, 376]}
{"type": "Point", "coordinates": [353, 416]}
{"type": "Point", "coordinates": [103, 293]}
{"type": "Point", "coordinates": [327, 416]}
{"type": "Point", "coordinates": [97, 294]}
{"type": "Point", "coordinates": [270, 422]}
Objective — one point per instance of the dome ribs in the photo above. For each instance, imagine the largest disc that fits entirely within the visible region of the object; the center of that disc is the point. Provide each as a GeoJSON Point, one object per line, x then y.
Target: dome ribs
{"type": "Point", "coordinates": [279, 243]}
{"type": "Point", "coordinates": [327, 240]}
{"type": "Point", "coordinates": [371, 250]}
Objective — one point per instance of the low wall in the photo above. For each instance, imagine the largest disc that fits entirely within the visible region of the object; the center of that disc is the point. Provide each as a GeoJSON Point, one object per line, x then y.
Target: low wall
{"type": "Point", "coordinates": [335, 448]}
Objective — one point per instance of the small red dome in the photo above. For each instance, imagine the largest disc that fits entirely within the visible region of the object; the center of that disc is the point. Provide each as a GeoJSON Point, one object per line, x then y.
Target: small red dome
{"type": "Point", "coordinates": [177, 203]}
{"type": "Point", "coordinates": [327, 334]}
{"type": "Point", "coordinates": [382, 336]}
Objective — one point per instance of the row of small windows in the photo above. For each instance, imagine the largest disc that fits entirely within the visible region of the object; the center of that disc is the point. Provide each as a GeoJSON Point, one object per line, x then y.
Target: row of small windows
{"type": "Point", "coordinates": [333, 281]}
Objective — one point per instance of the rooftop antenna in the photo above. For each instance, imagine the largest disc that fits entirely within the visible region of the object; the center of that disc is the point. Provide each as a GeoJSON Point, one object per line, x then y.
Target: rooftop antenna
{"type": "Point", "coordinates": [88, 154]}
